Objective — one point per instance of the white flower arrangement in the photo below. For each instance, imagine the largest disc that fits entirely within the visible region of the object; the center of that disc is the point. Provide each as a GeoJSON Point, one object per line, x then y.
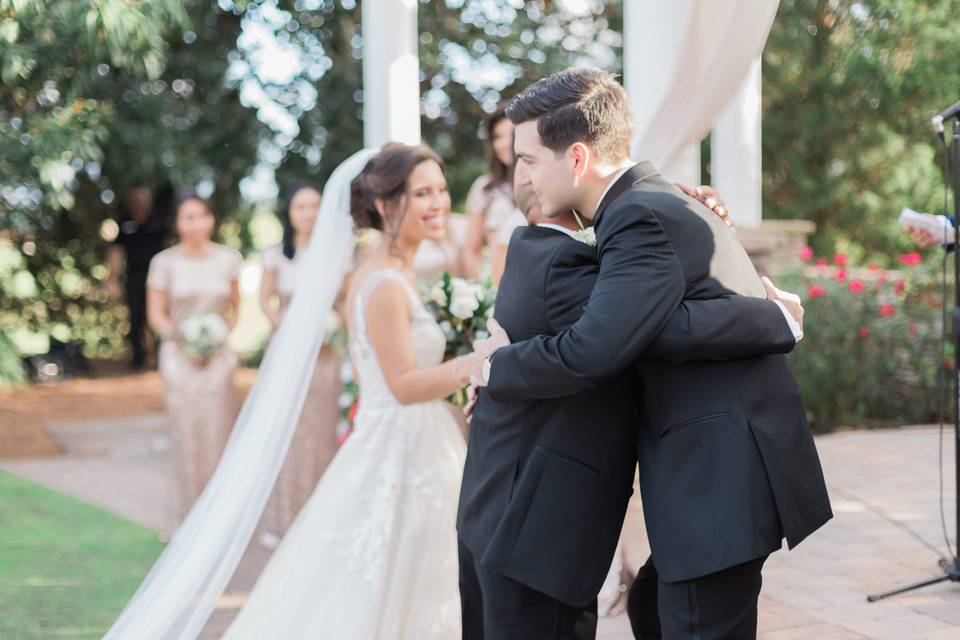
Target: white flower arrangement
{"type": "Point", "coordinates": [462, 309]}
{"type": "Point", "coordinates": [203, 334]}
{"type": "Point", "coordinates": [332, 327]}
{"type": "Point", "coordinates": [586, 235]}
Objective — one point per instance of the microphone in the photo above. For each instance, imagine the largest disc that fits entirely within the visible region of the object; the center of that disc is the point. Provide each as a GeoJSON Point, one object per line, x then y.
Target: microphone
{"type": "Point", "coordinates": [946, 114]}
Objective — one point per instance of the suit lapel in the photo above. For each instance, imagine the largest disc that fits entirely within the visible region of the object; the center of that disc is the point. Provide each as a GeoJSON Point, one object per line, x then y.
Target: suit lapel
{"type": "Point", "coordinates": [636, 173]}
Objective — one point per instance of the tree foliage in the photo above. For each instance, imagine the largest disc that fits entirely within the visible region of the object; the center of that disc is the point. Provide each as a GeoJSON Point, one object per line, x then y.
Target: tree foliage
{"type": "Point", "coordinates": [102, 95]}
{"type": "Point", "coordinates": [849, 88]}
{"type": "Point", "coordinates": [473, 55]}
{"type": "Point", "coordinates": [99, 96]}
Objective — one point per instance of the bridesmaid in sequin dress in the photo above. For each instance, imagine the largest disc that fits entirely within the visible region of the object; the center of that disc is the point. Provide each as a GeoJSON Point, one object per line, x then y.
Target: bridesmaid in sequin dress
{"type": "Point", "coordinates": [315, 441]}
{"type": "Point", "coordinates": [194, 277]}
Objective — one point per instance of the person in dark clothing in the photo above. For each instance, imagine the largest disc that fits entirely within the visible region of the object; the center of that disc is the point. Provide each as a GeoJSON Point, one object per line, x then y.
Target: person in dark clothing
{"type": "Point", "coordinates": [142, 235]}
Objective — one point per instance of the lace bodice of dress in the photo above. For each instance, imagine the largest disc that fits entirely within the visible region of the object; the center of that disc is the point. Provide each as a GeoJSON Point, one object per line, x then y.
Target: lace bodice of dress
{"type": "Point", "coordinates": [429, 342]}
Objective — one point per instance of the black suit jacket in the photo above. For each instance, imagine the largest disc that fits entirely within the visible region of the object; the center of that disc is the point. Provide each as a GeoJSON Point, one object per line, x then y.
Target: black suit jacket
{"type": "Point", "coordinates": [546, 483]}
{"type": "Point", "coordinates": [728, 466]}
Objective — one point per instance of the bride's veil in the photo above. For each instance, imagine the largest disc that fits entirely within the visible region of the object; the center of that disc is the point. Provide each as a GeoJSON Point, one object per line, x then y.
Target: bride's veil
{"type": "Point", "coordinates": [181, 590]}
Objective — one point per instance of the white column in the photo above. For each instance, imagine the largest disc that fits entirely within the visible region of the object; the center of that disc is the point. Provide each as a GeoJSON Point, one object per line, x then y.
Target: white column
{"type": "Point", "coordinates": [391, 72]}
{"type": "Point", "coordinates": [735, 154]}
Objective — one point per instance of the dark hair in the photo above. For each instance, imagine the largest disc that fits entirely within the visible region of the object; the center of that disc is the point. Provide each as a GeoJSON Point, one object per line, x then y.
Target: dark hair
{"type": "Point", "coordinates": [186, 196]}
{"type": "Point", "coordinates": [578, 105]}
{"type": "Point", "coordinates": [289, 250]}
{"type": "Point", "coordinates": [385, 177]}
{"type": "Point", "coordinates": [500, 173]}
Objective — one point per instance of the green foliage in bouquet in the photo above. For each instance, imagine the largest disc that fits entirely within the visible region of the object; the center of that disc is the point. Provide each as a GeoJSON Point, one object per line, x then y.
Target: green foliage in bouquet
{"type": "Point", "coordinates": [871, 353]}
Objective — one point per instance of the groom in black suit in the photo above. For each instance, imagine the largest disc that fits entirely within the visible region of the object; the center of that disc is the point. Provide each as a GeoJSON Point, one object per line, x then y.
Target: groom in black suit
{"type": "Point", "coordinates": [728, 467]}
{"type": "Point", "coordinates": [546, 483]}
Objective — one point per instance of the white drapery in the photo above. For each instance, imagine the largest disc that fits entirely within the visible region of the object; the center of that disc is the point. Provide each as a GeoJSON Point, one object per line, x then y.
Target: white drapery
{"type": "Point", "coordinates": [684, 60]}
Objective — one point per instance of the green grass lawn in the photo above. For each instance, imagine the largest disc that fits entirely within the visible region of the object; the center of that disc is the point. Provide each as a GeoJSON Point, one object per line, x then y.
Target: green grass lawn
{"type": "Point", "coordinates": [66, 568]}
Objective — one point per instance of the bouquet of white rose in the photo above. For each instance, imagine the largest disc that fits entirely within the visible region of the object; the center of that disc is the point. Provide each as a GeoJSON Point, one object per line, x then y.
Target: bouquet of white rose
{"type": "Point", "coordinates": [462, 308]}
{"type": "Point", "coordinates": [203, 335]}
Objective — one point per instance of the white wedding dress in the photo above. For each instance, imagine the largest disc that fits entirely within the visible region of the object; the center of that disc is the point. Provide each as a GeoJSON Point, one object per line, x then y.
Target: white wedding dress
{"type": "Point", "coordinates": [373, 554]}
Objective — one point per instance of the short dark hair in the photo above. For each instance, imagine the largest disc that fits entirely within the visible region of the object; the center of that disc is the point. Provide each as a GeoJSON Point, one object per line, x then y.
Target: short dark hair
{"type": "Point", "coordinates": [385, 177]}
{"type": "Point", "coordinates": [578, 105]}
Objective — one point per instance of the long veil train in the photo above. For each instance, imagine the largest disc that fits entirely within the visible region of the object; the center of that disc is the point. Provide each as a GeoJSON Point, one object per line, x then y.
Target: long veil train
{"type": "Point", "coordinates": [176, 598]}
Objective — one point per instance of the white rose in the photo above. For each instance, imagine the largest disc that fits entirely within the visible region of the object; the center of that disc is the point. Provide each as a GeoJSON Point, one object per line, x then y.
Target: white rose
{"type": "Point", "coordinates": [346, 372]}
{"type": "Point", "coordinates": [481, 335]}
{"type": "Point", "coordinates": [345, 400]}
{"type": "Point", "coordinates": [333, 322]}
{"type": "Point", "coordinates": [465, 299]}
{"type": "Point", "coordinates": [216, 328]}
{"type": "Point", "coordinates": [190, 328]}
{"type": "Point", "coordinates": [464, 307]}
{"type": "Point", "coordinates": [448, 331]}
{"type": "Point", "coordinates": [437, 295]}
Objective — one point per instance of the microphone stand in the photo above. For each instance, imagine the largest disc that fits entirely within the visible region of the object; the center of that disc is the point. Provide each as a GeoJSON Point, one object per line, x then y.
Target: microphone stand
{"type": "Point", "coordinates": [950, 567]}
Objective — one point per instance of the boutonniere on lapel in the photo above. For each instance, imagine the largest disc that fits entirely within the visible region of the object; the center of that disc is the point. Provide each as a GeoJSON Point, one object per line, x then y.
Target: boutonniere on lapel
{"type": "Point", "coordinates": [585, 235]}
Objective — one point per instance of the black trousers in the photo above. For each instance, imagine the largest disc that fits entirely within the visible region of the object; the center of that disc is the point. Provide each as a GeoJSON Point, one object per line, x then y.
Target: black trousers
{"type": "Point", "coordinates": [495, 607]}
{"type": "Point", "coordinates": [136, 295]}
{"type": "Point", "coordinates": [721, 605]}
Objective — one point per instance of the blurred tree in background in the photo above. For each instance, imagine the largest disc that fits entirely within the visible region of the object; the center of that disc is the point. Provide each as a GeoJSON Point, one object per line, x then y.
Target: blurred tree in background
{"type": "Point", "coordinates": [473, 55]}
{"type": "Point", "coordinates": [98, 97]}
{"type": "Point", "coordinates": [848, 90]}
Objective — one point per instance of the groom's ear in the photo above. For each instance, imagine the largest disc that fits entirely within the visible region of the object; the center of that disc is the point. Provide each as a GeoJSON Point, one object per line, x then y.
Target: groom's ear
{"type": "Point", "coordinates": [582, 158]}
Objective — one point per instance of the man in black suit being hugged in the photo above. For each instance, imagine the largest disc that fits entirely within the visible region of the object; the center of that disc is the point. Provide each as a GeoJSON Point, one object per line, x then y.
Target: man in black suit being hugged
{"type": "Point", "coordinates": [728, 467]}
{"type": "Point", "coordinates": [533, 554]}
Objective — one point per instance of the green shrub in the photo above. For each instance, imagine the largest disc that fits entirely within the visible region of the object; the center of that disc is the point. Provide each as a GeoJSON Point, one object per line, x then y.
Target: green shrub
{"type": "Point", "coordinates": [11, 366]}
{"type": "Point", "coordinates": [871, 354]}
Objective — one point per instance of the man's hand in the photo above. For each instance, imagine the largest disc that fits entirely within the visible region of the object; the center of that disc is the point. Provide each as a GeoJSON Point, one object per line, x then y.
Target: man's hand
{"type": "Point", "coordinates": [498, 338]}
{"type": "Point", "coordinates": [789, 300]}
{"type": "Point", "coordinates": [709, 198]}
{"type": "Point", "coordinates": [923, 238]}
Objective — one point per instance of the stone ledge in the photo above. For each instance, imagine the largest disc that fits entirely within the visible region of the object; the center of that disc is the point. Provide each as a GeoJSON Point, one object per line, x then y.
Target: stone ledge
{"type": "Point", "coordinates": [775, 243]}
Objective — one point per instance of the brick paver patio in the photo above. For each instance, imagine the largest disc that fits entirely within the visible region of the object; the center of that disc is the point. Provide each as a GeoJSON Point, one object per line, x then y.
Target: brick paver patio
{"type": "Point", "coordinates": [880, 482]}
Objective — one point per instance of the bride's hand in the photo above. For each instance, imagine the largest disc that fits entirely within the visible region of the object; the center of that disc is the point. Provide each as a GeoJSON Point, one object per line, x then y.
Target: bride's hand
{"type": "Point", "coordinates": [498, 338]}
{"type": "Point", "coordinates": [466, 367]}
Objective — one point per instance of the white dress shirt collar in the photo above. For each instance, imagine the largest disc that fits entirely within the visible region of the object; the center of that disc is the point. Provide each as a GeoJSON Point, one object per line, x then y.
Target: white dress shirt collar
{"type": "Point", "coordinates": [613, 181]}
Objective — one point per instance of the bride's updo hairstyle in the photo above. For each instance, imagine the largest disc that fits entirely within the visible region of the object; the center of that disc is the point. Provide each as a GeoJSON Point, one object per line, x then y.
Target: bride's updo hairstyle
{"type": "Point", "coordinates": [385, 179]}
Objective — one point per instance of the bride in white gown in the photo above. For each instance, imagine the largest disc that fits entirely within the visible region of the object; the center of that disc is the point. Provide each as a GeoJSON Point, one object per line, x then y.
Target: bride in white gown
{"type": "Point", "coordinates": [373, 553]}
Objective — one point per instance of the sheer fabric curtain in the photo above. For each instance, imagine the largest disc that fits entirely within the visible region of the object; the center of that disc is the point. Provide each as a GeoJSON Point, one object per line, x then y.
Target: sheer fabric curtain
{"type": "Point", "coordinates": [683, 62]}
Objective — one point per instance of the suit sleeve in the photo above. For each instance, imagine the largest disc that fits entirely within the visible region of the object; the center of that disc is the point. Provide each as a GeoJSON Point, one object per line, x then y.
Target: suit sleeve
{"type": "Point", "coordinates": [639, 286]}
{"type": "Point", "coordinates": [723, 329]}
